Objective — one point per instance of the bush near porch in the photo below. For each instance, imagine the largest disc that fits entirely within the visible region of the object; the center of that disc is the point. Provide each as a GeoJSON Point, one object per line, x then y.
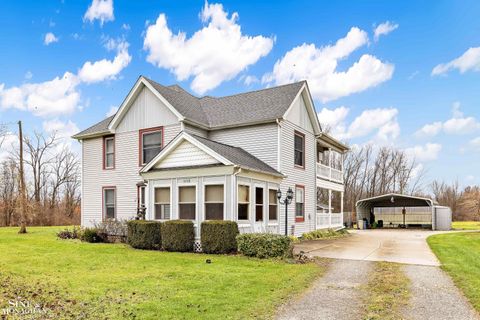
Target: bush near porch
{"type": "Point", "coordinates": [324, 234]}
{"type": "Point", "coordinates": [113, 281]}
{"type": "Point", "coordinates": [144, 234]}
{"type": "Point", "coordinates": [178, 235]}
{"type": "Point", "coordinates": [219, 236]}
{"type": "Point", "coordinates": [265, 245]}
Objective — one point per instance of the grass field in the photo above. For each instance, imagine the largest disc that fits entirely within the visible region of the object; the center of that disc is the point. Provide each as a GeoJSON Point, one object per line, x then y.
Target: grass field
{"type": "Point", "coordinates": [466, 225]}
{"type": "Point", "coordinates": [459, 254]}
{"type": "Point", "coordinates": [113, 281]}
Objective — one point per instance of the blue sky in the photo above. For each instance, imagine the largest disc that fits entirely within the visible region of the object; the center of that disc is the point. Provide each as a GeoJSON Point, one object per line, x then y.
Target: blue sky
{"type": "Point", "coordinates": [415, 87]}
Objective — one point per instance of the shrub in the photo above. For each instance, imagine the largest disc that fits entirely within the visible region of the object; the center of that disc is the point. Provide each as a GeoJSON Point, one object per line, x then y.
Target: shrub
{"type": "Point", "coordinates": [265, 245]}
{"type": "Point", "coordinates": [219, 236]}
{"type": "Point", "coordinates": [92, 235]}
{"type": "Point", "coordinates": [69, 234]}
{"type": "Point", "coordinates": [114, 230]}
{"type": "Point", "coordinates": [143, 234]}
{"type": "Point", "coordinates": [178, 235]}
{"type": "Point", "coordinates": [324, 234]}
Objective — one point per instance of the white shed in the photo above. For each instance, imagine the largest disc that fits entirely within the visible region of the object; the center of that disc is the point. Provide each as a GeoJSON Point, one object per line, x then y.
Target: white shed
{"type": "Point", "coordinates": [395, 210]}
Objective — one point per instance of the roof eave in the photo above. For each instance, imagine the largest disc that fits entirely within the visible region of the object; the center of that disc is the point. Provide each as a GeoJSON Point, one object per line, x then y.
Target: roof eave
{"type": "Point", "coordinates": [91, 135]}
{"type": "Point", "coordinates": [334, 142]}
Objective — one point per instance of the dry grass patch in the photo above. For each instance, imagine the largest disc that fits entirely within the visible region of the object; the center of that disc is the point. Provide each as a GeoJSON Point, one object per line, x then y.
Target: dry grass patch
{"type": "Point", "coordinates": [386, 293]}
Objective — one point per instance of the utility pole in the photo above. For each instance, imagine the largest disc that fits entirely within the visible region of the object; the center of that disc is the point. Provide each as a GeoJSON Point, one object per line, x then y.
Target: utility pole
{"type": "Point", "coordinates": [23, 196]}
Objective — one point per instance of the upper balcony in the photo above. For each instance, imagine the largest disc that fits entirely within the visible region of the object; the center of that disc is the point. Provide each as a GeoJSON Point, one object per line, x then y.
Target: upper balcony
{"type": "Point", "coordinates": [329, 162]}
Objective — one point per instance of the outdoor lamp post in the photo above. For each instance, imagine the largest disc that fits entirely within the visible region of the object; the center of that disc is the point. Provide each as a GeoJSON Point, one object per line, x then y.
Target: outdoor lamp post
{"type": "Point", "coordinates": [286, 202]}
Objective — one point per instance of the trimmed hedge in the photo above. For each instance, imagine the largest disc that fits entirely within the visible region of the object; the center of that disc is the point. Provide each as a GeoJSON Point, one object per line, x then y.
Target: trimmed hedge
{"type": "Point", "coordinates": [324, 234]}
{"type": "Point", "coordinates": [265, 245]}
{"type": "Point", "coordinates": [219, 236]}
{"type": "Point", "coordinates": [144, 234]}
{"type": "Point", "coordinates": [178, 235]}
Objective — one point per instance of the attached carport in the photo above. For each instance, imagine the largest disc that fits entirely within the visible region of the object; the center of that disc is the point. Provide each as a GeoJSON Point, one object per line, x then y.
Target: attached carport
{"type": "Point", "coordinates": [397, 210]}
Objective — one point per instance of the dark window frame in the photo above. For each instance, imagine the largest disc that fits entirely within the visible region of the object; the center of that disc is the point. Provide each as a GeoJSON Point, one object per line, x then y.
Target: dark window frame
{"type": "Point", "coordinates": [188, 203]}
{"type": "Point", "coordinates": [104, 152]}
{"type": "Point", "coordinates": [302, 136]}
{"type": "Point", "coordinates": [104, 204]}
{"type": "Point", "coordinates": [300, 218]}
{"type": "Point", "coordinates": [141, 133]}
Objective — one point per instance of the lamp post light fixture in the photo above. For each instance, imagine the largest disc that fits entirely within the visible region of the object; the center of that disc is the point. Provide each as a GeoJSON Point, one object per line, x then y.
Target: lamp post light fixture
{"type": "Point", "coordinates": [286, 202]}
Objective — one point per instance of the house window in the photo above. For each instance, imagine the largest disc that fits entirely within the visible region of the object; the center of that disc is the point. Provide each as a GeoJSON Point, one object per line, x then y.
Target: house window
{"type": "Point", "coordinates": [109, 204]}
{"type": "Point", "coordinates": [258, 204]}
{"type": "Point", "coordinates": [109, 153]}
{"type": "Point", "coordinates": [243, 202]}
{"type": "Point", "coordinates": [162, 203]}
{"type": "Point", "coordinates": [272, 205]}
{"type": "Point", "coordinates": [141, 197]}
{"type": "Point", "coordinates": [150, 144]}
{"type": "Point", "coordinates": [299, 149]}
{"type": "Point", "coordinates": [214, 202]}
{"type": "Point", "coordinates": [299, 204]}
{"type": "Point", "coordinates": [187, 202]}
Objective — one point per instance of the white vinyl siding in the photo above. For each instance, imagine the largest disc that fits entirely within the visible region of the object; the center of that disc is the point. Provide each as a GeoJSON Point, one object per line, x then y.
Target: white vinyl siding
{"type": "Point", "coordinates": [259, 140]}
{"type": "Point", "coordinates": [146, 111]}
{"type": "Point", "coordinates": [298, 176]}
{"type": "Point", "coordinates": [196, 131]}
{"type": "Point", "coordinates": [124, 177]}
{"type": "Point", "coordinates": [186, 155]}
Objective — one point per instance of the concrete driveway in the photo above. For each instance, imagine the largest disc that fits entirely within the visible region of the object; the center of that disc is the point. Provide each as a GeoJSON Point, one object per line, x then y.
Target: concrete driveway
{"type": "Point", "coordinates": [402, 246]}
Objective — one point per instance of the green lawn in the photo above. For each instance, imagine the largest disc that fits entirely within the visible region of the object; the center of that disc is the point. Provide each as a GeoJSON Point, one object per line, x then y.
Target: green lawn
{"type": "Point", "coordinates": [466, 225]}
{"type": "Point", "coordinates": [459, 254]}
{"type": "Point", "coordinates": [113, 281]}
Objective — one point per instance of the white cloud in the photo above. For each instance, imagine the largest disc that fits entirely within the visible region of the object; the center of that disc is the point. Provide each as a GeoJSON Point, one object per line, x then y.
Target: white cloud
{"type": "Point", "coordinates": [381, 122]}
{"type": "Point", "coordinates": [430, 130]}
{"type": "Point", "coordinates": [333, 120]}
{"type": "Point", "coordinates": [50, 38]}
{"type": "Point", "coordinates": [384, 29]}
{"type": "Point", "coordinates": [475, 143]}
{"type": "Point", "coordinates": [63, 131]}
{"type": "Point", "coordinates": [458, 124]}
{"type": "Point", "coordinates": [248, 80]}
{"type": "Point", "coordinates": [10, 142]}
{"type": "Point", "coordinates": [429, 152]}
{"type": "Point", "coordinates": [61, 95]}
{"type": "Point", "coordinates": [111, 111]}
{"type": "Point", "coordinates": [469, 61]}
{"type": "Point", "coordinates": [318, 66]}
{"type": "Point", "coordinates": [126, 26]}
{"type": "Point", "coordinates": [101, 10]}
{"type": "Point", "coordinates": [106, 69]}
{"type": "Point", "coordinates": [28, 75]}
{"type": "Point", "coordinates": [216, 53]}
{"type": "Point", "coordinates": [57, 96]}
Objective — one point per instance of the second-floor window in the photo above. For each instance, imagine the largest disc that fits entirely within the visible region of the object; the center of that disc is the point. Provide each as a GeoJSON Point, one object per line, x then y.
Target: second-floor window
{"type": "Point", "coordinates": [299, 146]}
{"type": "Point", "coordinates": [150, 144]}
{"type": "Point", "coordinates": [109, 153]}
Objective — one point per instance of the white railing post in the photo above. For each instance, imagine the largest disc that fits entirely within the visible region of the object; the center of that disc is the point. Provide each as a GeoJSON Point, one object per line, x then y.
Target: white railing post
{"type": "Point", "coordinates": [341, 208]}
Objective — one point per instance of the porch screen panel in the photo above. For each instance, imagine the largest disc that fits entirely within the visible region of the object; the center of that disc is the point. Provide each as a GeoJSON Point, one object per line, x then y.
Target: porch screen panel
{"type": "Point", "coordinates": [186, 202]}
{"type": "Point", "coordinates": [162, 203]}
{"type": "Point", "coordinates": [258, 204]}
{"type": "Point", "coordinates": [243, 202]}
{"type": "Point", "coordinates": [214, 202]}
{"type": "Point", "coordinates": [272, 205]}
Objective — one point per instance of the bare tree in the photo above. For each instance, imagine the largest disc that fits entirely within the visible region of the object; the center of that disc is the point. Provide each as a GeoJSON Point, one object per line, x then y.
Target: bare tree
{"type": "Point", "coordinates": [470, 203]}
{"type": "Point", "coordinates": [8, 190]}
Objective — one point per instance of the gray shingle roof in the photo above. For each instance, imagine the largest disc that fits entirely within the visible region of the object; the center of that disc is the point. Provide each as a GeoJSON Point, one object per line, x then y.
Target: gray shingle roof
{"type": "Point", "coordinates": [99, 127]}
{"type": "Point", "coordinates": [216, 112]}
{"type": "Point", "coordinates": [238, 156]}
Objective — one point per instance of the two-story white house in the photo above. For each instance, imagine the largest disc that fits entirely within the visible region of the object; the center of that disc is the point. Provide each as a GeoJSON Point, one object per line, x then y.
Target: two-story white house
{"type": "Point", "coordinates": [184, 157]}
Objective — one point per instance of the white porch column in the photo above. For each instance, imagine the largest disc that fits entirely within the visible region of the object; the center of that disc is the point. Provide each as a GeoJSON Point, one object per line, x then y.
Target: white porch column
{"type": "Point", "coordinates": [341, 207]}
{"type": "Point", "coordinates": [329, 207]}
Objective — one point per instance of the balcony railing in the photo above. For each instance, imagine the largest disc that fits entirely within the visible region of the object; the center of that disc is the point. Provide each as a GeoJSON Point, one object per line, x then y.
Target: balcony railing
{"type": "Point", "coordinates": [329, 173]}
{"type": "Point", "coordinates": [327, 220]}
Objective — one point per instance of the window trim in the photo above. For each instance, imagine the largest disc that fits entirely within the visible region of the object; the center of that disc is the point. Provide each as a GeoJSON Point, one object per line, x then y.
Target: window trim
{"type": "Point", "coordinates": [269, 204]}
{"type": "Point", "coordinates": [300, 219]}
{"type": "Point", "coordinates": [249, 202]}
{"type": "Point", "coordinates": [196, 200]}
{"type": "Point", "coordinates": [302, 135]}
{"type": "Point", "coordinates": [205, 185]}
{"type": "Point", "coordinates": [262, 205]}
{"type": "Point", "coordinates": [104, 207]}
{"type": "Point", "coordinates": [141, 132]}
{"type": "Point", "coordinates": [155, 203]}
{"type": "Point", "coordinates": [104, 152]}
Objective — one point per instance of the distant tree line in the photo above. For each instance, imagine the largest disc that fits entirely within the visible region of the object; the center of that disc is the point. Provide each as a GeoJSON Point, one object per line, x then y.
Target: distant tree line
{"type": "Point", "coordinates": [52, 173]}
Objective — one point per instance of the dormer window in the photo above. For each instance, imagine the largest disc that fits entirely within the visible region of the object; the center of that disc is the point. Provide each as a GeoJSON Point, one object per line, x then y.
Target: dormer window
{"type": "Point", "coordinates": [151, 142]}
{"type": "Point", "coordinates": [109, 152]}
